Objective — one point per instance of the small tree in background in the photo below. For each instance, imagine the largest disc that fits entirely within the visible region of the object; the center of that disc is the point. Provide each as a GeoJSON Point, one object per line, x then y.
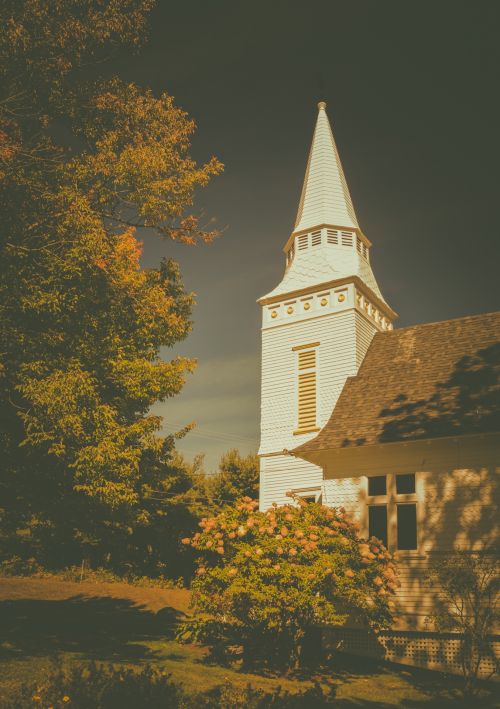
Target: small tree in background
{"type": "Point", "coordinates": [237, 477]}
{"type": "Point", "coordinates": [469, 589]}
{"type": "Point", "coordinates": [267, 577]}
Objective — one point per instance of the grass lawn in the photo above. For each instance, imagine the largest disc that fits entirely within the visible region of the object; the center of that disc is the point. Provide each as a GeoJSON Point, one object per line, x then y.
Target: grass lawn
{"type": "Point", "coordinates": [47, 620]}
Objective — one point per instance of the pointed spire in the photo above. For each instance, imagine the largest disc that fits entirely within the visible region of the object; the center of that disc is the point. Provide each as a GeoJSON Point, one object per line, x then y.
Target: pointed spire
{"type": "Point", "coordinates": [325, 197]}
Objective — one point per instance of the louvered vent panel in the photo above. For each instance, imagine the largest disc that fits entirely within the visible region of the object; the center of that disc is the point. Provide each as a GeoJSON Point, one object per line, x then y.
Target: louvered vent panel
{"type": "Point", "coordinates": [307, 400]}
{"type": "Point", "coordinates": [307, 390]}
{"type": "Point", "coordinates": [332, 236]}
{"type": "Point", "coordinates": [303, 241]}
{"type": "Point", "coordinates": [307, 359]}
{"type": "Point", "coordinates": [346, 238]}
{"type": "Point", "coordinates": [316, 238]}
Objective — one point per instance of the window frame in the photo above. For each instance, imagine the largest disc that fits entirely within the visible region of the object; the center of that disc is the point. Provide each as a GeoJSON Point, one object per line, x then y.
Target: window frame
{"type": "Point", "coordinates": [391, 500]}
{"type": "Point", "coordinates": [305, 492]}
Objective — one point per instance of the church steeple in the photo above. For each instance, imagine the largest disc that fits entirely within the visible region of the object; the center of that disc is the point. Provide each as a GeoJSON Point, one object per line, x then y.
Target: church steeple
{"type": "Point", "coordinates": [325, 197]}
{"type": "Point", "coordinates": [326, 243]}
{"type": "Point", "coordinates": [317, 324]}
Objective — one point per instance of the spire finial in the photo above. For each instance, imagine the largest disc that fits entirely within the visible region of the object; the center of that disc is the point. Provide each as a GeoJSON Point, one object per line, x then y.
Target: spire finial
{"type": "Point", "coordinates": [325, 197]}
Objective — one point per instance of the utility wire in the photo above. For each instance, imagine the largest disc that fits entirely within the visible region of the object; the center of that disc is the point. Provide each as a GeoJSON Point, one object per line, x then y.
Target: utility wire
{"type": "Point", "coordinates": [177, 494]}
{"type": "Point", "coordinates": [204, 432]}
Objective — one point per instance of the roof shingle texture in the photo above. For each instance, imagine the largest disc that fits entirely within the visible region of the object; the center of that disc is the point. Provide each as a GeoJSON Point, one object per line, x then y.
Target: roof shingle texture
{"type": "Point", "coordinates": [421, 382]}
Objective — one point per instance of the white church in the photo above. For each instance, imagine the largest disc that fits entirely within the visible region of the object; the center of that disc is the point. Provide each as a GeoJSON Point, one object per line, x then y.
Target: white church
{"type": "Point", "coordinates": [401, 427]}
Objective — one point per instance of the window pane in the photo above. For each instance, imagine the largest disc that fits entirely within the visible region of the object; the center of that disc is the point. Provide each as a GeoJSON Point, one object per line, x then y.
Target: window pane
{"type": "Point", "coordinates": [407, 526]}
{"type": "Point", "coordinates": [308, 498]}
{"type": "Point", "coordinates": [405, 484]}
{"type": "Point", "coordinates": [377, 485]}
{"type": "Point", "coordinates": [377, 522]}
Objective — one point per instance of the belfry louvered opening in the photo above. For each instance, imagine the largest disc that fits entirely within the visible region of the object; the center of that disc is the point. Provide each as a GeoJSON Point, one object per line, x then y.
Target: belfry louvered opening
{"type": "Point", "coordinates": [306, 418]}
{"type": "Point", "coordinates": [347, 238]}
{"type": "Point", "coordinates": [303, 242]}
{"type": "Point", "coordinates": [315, 238]}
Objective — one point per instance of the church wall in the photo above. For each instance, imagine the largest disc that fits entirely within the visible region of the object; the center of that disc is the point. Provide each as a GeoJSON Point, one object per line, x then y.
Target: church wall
{"type": "Point", "coordinates": [281, 473]}
{"type": "Point", "coordinates": [457, 509]}
{"type": "Point", "coordinates": [364, 335]}
{"type": "Point", "coordinates": [343, 340]}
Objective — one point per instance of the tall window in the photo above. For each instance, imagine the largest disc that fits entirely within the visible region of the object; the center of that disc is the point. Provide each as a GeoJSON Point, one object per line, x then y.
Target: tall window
{"type": "Point", "coordinates": [306, 389]}
{"type": "Point", "coordinates": [392, 510]}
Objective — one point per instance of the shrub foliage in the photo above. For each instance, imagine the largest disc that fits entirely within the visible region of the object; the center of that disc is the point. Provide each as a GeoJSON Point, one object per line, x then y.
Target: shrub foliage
{"type": "Point", "coordinates": [265, 578]}
{"type": "Point", "coordinates": [469, 584]}
{"type": "Point", "coordinates": [106, 687]}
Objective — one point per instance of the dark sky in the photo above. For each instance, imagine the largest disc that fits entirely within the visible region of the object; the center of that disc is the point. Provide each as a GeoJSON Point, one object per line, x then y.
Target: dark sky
{"type": "Point", "coordinates": [413, 97]}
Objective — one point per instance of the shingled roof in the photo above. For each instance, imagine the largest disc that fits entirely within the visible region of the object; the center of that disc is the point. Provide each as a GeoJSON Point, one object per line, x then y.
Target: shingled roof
{"type": "Point", "coordinates": [420, 382]}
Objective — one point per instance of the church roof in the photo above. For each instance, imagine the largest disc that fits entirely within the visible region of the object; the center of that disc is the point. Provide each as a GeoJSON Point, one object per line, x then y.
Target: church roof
{"type": "Point", "coordinates": [421, 382]}
{"type": "Point", "coordinates": [325, 196]}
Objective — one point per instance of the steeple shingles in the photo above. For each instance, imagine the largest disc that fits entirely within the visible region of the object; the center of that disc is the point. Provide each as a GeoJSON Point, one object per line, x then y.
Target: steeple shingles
{"type": "Point", "coordinates": [325, 197]}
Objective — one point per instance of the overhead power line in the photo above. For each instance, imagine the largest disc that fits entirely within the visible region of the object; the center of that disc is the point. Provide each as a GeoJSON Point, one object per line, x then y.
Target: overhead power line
{"type": "Point", "coordinates": [203, 432]}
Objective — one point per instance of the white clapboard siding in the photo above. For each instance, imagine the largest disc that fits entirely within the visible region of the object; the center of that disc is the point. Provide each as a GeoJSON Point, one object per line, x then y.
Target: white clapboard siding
{"type": "Point", "coordinates": [344, 338]}
{"type": "Point", "coordinates": [459, 511]}
{"type": "Point", "coordinates": [344, 493]}
{"type": "Point", "coordinates": [283, 473]}
{"type": "Point", "coordinates": [364, 335]}
{"type": "Point", "coordinates": [339, 342]}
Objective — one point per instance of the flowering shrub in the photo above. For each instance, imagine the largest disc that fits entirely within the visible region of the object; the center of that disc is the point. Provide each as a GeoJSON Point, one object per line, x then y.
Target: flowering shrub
{"type": "Point", "coordinates": [266, 577]}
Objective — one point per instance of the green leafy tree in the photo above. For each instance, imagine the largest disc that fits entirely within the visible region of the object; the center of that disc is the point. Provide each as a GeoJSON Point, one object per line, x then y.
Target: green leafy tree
{"type": "Point", "coordinates": [468, 603]}
{"type": "Point", "coordinates": [83, 163]}
{"type": "Point", "coordinates": [237, 477]}
{"type": "Point", "coordinates": [266, 578]}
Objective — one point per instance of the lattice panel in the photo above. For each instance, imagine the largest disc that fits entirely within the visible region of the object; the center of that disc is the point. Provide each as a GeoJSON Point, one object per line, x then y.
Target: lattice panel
{"type": "Point", "coordinates": [427, 650]}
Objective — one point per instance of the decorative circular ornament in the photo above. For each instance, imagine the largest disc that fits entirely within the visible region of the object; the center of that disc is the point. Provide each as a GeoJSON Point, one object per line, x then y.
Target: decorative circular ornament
{"type": "Point", "coordinates": [324, 301]}
{"type": "Point", "coordinates": [341, 298]}
{"type": "Point", "coordinates": [274, 314]}
{"type": "Point", "coordinates": [307, 306]}
{"type": "Point", "coordinates": [289, 310]}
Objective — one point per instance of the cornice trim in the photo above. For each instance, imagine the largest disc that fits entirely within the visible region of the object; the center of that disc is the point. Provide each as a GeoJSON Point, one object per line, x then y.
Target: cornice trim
{"type": "Point", "coordinates": [366, 290]}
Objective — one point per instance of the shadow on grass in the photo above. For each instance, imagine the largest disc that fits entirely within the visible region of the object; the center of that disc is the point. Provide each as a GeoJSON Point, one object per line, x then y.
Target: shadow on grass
{"type": "Point", "coordinates": [443, 689]}
{"type": "Point", "coordinates": [102, 628]}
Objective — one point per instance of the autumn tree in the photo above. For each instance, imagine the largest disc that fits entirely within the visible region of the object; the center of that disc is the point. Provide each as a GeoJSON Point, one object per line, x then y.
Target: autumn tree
{"type": "Point", "coordinates": [264, 578]}
{"type": "Point", "coordinates": [84, 162]}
